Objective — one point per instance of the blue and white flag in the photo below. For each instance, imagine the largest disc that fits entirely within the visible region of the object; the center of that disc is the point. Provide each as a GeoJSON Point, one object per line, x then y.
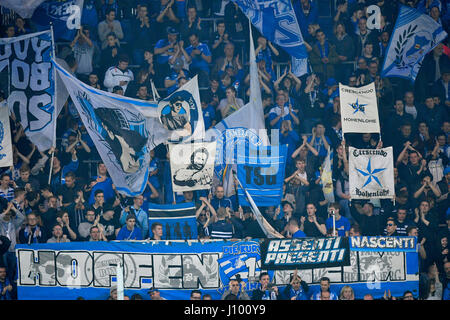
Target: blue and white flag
{"type": "Point", "coordinates": [276, 20]}
{"type": "Point", "coordinates": [326, 178]}
{"type": "Point", "coordinates": [178, 220]}
{"type": "Point", "coordinates": [371, 173]}
{"type": "Point", "coordinates": [65, 16]}
{"type": "Point", "coordinates": [122, 135]}
{"type": "Point", "coordinates": [24, 8]}
{"type": "Point", "coordinates": [6, 154]}
{"type": "Point", "coordinates": [27, 60]}
{"type": "Point", "coordinates": [261, 172]}
{"type": "Point", "coordinates": [244, 126]}
{"type": "Point", "coordinates": [415, 34]}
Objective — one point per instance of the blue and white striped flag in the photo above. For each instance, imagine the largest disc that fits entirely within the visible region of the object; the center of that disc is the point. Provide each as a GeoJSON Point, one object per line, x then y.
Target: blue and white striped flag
{"type": "Point", "coordinates": [277, 21]}
{"type": "Point", "coordinates": [415, 34]}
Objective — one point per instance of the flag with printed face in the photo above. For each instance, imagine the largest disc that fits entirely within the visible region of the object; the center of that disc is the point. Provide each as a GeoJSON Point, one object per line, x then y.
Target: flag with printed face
{"type": "Point", "coordinates": [31, 84]}
{"type": "Point", "coordinates": [359, 109]}
{"type": "Point", "coordinates": [192, 166]}
{"type": "Point", "coordinates": [180, 113]}
{"type": "Point", "coordinates": [178, 220]}
{"type": "Point", "coordinates": [6, 154]}
{"type": "Point", "coordinates": [371, 173]}
{"type": "Point", "coordinates": [120, 132]}
{"type": "Point", "coordinates": [415, 34]}
{"type": "Point", "coordinates": [326, 178]}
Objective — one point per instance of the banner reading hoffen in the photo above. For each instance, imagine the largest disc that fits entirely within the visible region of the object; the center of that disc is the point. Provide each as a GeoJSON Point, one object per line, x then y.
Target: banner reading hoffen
{"type": "Point", "coordinates": [192, 165]}
{"type": "Point", "coordinates": [120, 132]}
{"type": "Point", "coordinates": [371, 173]}
{"type": "Point", "coordinates": [359, 109]}
{"type": "Point", "coordinates": [31, 98]}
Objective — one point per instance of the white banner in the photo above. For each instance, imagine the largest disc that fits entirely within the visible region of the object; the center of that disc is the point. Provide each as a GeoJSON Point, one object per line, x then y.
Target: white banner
{"type": "Point", "coordinates": [371, 173]}
{"type": "Point", "coordinates": [24, 8]}
{"type": "Point", "coordinates": [181, 113]}
{"type": "Point", "coordinates": [192, 165]}
{"type": "Point", "coordinates": [27, 59]}
{"type": "Point", "coordinates": [6, 155]}
{"type": "Point", "coordinates": [122, 135]}
{"type": "Point", "coordinates": [359, 110]}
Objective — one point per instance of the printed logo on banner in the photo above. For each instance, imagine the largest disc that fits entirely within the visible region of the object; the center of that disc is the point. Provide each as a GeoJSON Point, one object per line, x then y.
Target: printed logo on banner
{"type": "Point", "coordinates": [371, 174]}
{"type": "Point", "coordinates": [179, 114]}
{"type": "Point", "coordinates": [358, 107]}
{"type": "Point", "coordinates": [123, 134]}
{"type": "Point", "coordinates": [241, 260]}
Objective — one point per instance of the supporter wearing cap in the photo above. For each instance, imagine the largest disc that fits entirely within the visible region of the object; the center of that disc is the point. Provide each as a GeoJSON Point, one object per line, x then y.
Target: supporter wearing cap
{"type": "Point", "coordinates": [164, 50]}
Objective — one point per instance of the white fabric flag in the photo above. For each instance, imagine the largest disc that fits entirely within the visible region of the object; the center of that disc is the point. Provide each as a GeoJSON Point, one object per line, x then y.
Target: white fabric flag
{"type": "Point", "coordinates": [31, 84]}
{"type": "Point", "coordinates": [192, 166]}
{"type": "Point", "coordinates": [122, 135]}
{"type": "Point", "coordinates": [6, 155]}
{"type": "Point", "coordinates": [371, 173]}
{"type": "Point", "coordinates": [359, 109]}
{"type": "Point", "coordinates": [24, 8]}
{"type": "Point", "coordinates": [180, 113]}
{"type": "Point", "coordinates": [326, 178]}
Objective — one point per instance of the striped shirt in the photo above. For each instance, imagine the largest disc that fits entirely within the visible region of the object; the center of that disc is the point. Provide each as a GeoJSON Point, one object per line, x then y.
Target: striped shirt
{"type": "Point", "coordinates": [8, 194]}
{"type": "Point", "coordinates": [221, 230]}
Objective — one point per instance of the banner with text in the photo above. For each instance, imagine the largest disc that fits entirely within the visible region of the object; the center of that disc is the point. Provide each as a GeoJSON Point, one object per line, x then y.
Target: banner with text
{"type": "Point", "coordinates": [359, 109]}
{"type": "Point", "coordinates": [371, 173]}
{"type": "Point", "coordinates": [27, 60]}
{"type": "Point", "coordinates": [6, 154]}
{"type": "Point", "coordinates": [67, 271]}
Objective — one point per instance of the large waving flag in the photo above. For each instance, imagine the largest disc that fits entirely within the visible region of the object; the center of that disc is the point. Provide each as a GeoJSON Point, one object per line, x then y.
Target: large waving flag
{"type": "Point", "coordinates": [277, 21]}
{"type": "Point", "coordinates": [64, 15]}
{"type": "Point", "coordinates": [31, 81]}
{"type": "Point", "coordinates": [371, 173]}
{"type": "Point", "coordinates": [178, 220]}
{"type": "Point", "coordinates": [261, 173]}
{"type": "Point", "coordinates": [326, 178]}
{"type": "Point", "coordinates": [415, 34]}
{"type": "Point", "coordinates": [24, 8]}
{"type": "Point", "coordinates": [122, 135]}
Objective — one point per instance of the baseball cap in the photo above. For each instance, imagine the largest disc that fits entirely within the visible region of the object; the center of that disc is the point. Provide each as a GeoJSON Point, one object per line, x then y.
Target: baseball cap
{"type": "Point", "coordinates": [171, 30]}
{"type": "Point", "coordinates": [331, 82]}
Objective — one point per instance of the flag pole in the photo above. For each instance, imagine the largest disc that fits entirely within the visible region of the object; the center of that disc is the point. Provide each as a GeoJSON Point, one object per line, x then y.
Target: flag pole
{"type": "Point", "coordinates": [54, 105]}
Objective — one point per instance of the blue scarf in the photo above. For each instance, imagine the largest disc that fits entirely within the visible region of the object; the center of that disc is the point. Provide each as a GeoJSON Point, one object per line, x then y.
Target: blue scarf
{"type": "Point", "coordinates": [31, 237]}
{"type": "Point", "coordinates": [323, 51]}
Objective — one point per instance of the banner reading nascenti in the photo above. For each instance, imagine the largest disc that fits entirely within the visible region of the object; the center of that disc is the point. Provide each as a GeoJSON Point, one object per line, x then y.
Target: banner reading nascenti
{"type": "Point", "coordinates": [371, 173]}
{"type": "Point", "coordinates": [27, 60]}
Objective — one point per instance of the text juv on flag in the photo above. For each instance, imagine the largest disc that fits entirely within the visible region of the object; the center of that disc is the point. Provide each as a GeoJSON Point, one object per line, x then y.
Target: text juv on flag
{"type": "Point", "coordinates": [31, 84]}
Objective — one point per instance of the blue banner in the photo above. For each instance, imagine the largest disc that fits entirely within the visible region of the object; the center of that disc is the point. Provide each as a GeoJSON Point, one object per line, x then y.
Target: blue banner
{"type": "Point", "coordinates": [384, 244]}
{"type": "Point", "coordinates": [64, 15]}
{"type": "Point", "coordinates": [261, 172]}
{"type": "Point", "coordinates": [178, 220]}
{"type": "Point", "coordinates": [415, 34]}
{"type": "Point", "coordinates": [67, 271]}
{"type": "Point", "coordinates": [277, 21]}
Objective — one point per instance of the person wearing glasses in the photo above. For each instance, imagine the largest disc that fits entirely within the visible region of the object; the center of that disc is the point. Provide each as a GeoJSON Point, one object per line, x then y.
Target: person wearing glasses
{"type": "Point", "coordinates": [175, 120]}
{"type": "Point", "coordinates": [391, 228]}
{"type": "Point", "coordinates": [32, 232]}
{"type": "Point", "coordinates": [236, 289]}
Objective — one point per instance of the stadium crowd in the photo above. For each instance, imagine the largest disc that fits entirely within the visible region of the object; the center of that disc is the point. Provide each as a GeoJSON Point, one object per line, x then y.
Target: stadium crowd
{"type": "Point", "coordinates": [124, 45]}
